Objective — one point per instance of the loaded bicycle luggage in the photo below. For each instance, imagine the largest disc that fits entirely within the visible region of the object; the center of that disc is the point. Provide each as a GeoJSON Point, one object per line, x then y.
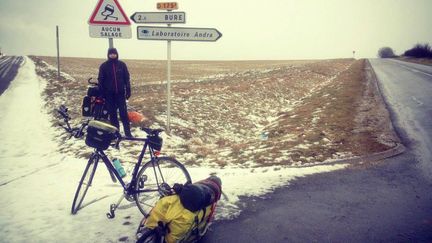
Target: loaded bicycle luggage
{"type": "Point", "coordinates": [184, 216]}
{"type": "Point", "coordinates": [93, 104]}
{"type": "Point", "coordinates": [100, 134]}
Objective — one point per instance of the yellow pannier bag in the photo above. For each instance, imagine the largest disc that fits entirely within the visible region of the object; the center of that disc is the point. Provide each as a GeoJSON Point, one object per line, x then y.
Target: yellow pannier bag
{"type": "Point", "coordinates": [183, 216]}
{"type": "Point", "coordinates": [183, 225]}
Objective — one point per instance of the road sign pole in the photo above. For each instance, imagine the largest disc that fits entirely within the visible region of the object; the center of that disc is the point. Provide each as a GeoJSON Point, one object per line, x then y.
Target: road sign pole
{"type": "Point", "coordinates": [170, 34]}
{"type": "Point", "coordinates": [111, 42]}
{"type": "Point", "coordinates": [169, 84]}
{"type": "Point", "coordinates": [58, 53]}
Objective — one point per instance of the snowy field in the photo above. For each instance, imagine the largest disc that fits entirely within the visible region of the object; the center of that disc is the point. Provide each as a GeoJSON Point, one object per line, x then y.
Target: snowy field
{"type": "Point", "coordinates": [37, 181]}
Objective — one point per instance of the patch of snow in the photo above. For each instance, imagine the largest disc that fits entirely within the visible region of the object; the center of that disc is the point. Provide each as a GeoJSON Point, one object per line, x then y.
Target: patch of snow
{"type": "Point", "coordinates": [39, 182]}
{"type": "Point", "coordinates": [302, 146]}
{"type": "Point", "coordinates": [22, 119]}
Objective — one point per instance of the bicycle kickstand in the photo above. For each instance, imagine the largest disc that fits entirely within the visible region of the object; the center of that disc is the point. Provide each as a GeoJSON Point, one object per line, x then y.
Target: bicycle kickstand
{"type": "Point", "coordinates": [113, 208]}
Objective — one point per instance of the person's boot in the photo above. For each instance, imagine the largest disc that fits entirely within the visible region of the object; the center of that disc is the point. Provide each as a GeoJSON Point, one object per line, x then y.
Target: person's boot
{"type": "Point", "coordinates": [127, 129]}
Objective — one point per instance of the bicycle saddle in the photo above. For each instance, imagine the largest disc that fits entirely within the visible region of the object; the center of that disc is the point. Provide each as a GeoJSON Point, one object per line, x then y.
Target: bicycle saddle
{"type": "Point", "coordinates": [150, 131]}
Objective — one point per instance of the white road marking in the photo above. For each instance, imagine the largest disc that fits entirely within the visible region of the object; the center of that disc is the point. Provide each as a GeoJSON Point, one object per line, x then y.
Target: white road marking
{"type": "Point", "coordinates": [4, 67]}
{"type": "Point", "coordinates": [8, 68]}
{"type": "Point", "coordinates": [4, 64]}
{"type": "Point", "coordinates": [415, 70]}
{"type": "Point", "coordinates": [16, 60]}
{"type": "Point", "coordinates": [5, 60]}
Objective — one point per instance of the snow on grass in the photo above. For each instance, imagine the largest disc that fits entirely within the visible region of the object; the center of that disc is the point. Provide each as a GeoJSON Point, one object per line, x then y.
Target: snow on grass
{"type": "Point", "coordinates": [39, 181]}
{"type": "Point", "coordinates": [50, 67]}
{"type": "Point", "coordinates": [232, 108]}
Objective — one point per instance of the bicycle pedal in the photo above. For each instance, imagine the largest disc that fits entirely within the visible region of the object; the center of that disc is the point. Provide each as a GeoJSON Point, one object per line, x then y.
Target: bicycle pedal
{"type": "Point", "coordinates": [111, 214]}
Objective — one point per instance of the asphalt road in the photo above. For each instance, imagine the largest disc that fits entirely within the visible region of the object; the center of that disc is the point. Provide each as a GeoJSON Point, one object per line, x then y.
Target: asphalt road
{"type": "Point", "coordinates": [8, 69]}
{"type": "Point", "coordinates": [408, 91]}
{"type": "Point", "coordinates": [387, 202]}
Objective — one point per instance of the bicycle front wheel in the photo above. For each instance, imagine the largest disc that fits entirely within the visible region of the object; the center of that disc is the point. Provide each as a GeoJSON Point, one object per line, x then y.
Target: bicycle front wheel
{"type": "Point", "coordinates": [158, 176]}
{"type": "Point", "coordinates": [84, 183]}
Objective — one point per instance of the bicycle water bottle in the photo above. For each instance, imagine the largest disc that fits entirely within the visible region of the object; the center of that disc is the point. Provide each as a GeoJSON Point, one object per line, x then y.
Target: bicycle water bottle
{"type": "Point", "coordinates": [119, 167]}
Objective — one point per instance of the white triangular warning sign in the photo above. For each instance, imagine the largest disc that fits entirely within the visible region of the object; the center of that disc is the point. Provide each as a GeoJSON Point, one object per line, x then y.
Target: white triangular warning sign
{"type": "Point", "coordinates": [109, 12]}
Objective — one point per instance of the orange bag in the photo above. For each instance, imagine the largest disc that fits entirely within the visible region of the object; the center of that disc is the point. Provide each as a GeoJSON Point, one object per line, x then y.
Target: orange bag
{"type": "Point", "coordinates": [135, 117]}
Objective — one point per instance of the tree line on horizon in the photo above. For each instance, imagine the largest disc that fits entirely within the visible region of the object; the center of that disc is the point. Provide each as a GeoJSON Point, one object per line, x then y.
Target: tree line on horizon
{"type": "Point", "coordinates": [418, 51]}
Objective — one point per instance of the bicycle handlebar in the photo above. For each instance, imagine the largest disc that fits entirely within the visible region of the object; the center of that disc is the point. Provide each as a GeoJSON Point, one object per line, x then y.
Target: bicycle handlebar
{"type": "Point", "coordinates": [76, 132]}
{"type": "Point", "coordinates": [90, 82]}
{"type": "Point", "coordinates": [63, 111]}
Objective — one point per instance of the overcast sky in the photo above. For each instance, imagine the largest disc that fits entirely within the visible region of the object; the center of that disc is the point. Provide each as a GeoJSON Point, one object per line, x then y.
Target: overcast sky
{"type": "Point", "coordinates": [271, 29]}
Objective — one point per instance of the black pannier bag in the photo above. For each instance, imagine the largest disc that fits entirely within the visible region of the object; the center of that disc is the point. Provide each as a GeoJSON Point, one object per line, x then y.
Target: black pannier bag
{"type": "Point", "coordinates": [100, 134]}
{"type": "Point", "coordinates": [93, 91]}
{"type": "Point", "coordinates": [155, 142]}
{"type": "Point", "coordinates": [99, 109]}
{"type": "Point", "coordinates": [87, 106]}
{"type": "Point", "coordinates": [201, 194]}
{"type": "Point", "coordinates": [104, 114]}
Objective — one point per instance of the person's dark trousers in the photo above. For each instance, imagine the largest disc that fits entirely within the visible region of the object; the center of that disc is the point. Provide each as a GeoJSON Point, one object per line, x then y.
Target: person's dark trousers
{"type": "Point", "coordinates": [117, 102]}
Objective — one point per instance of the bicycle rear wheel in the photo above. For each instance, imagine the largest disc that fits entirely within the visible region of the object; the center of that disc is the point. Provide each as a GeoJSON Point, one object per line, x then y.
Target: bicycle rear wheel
{"type": "Point", "coordinates": [84, 183]}
{"type": "Point", "coordinates": [159, 175]}
{"type": "Point", "coordinates": [149, 236]}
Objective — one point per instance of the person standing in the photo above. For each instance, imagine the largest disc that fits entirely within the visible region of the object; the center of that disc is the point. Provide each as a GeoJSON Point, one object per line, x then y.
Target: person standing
{"type": "Point", "coordinates": [114, 84]}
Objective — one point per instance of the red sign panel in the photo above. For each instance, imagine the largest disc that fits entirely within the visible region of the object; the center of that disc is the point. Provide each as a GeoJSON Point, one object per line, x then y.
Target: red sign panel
{"type": "Point", "coordinates": [109, 12]}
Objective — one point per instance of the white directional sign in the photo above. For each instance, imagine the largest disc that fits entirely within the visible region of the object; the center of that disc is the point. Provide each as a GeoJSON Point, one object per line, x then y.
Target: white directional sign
{"type": "Point", "coordinates": [177, 33]}
{"type": "Point", "coordinates": [159, 17]}
{"type": "Point", "coordinates": [108, 20]}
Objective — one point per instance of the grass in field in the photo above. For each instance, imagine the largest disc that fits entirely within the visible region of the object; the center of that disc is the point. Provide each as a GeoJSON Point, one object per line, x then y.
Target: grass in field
{"type": "Point", "coordinates": [246, 113]}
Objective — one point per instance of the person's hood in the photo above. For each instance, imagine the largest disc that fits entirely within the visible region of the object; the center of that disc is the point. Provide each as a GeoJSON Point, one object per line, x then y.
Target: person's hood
{"type": "Point", "coordinates": [112, 50]}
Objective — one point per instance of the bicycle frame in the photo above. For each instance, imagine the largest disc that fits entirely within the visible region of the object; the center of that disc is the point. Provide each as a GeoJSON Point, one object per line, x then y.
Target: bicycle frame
{"type": "Point", "coordinates": [130, 190]}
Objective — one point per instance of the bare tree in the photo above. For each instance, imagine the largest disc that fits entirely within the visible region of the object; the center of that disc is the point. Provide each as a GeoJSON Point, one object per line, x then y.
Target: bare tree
{"type": "Point", "coordinates": [386, 52]}
{"type": "Point", "coordinates": [419, 50]}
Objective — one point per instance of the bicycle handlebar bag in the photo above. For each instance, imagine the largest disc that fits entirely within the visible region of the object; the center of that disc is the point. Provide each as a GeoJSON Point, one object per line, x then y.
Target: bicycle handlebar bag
{"type": "Point", "coordinates": [155, 142]}
{"type": "Point", "coordinates": [100, 134]}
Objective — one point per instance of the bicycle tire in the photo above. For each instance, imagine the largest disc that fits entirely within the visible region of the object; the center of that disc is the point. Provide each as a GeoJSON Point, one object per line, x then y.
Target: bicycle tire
{"type": "Point", "coordinates": [97, 111]}
{"type": "Point", "coordinates": [150, 236]}
{"type": "Point", "coordinates": [150, 177]}
{"type": "Point", "coordinates": [84, 184]}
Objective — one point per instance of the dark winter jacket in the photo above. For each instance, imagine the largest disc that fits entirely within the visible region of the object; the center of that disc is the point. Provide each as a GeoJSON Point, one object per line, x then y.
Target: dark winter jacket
{"type": "Point", "coordinates": [114, 77]}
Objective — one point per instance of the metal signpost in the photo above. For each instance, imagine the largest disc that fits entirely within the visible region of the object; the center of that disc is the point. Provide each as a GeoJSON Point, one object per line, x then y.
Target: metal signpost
{"type": "Point", "coordinates": [58, 52]}
{"type": "Point", "coordinates": [108, 20]}
{"type": "Point", "coordinates": [170, 34]}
